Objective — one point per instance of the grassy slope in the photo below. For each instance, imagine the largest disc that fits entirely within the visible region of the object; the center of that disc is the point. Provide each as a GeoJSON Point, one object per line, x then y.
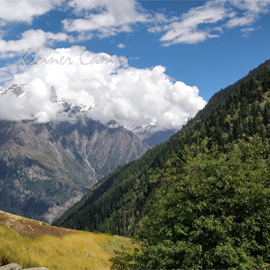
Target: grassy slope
{"type": "Point", "coordinates": [76, 250]}
{"type": "Point", "coordinates": [21, 218]}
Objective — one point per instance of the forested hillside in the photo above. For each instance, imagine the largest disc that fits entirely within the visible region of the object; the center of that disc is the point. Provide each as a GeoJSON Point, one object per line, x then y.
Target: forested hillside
{"type": "Point", "coordinates": [118, 203]}
{"type": "Point", "coordinates": [212, 214]}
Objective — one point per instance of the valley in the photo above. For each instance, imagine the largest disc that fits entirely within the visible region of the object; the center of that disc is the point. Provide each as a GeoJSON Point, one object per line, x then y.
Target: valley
{"type": "Point", "coordinates": [134, 135]}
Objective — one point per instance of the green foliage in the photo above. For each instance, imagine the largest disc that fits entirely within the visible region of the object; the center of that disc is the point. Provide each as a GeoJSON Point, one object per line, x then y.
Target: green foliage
{"type": "Point", "coordinates": [215, 214]}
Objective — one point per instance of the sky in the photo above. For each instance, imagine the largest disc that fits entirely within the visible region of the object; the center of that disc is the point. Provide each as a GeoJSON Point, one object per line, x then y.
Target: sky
{"type": "Point", "coordinates": [137, 62]}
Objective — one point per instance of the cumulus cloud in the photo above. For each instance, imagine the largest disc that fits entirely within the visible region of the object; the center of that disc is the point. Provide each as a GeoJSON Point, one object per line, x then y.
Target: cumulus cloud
{"type": "Point", "coordinates": [131, 96]}
{"type": "Point", "coordinates": [25, 10]}
{"type": "Point", "coordinates": [34, 103]}
{"type": "Point", "coordinates": [105, 16]}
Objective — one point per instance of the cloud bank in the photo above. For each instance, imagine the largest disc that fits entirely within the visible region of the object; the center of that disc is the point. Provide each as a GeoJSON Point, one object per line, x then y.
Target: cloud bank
{"type": "Point", "coordinates": [114, 90]}
{"type": "Point", "coordinates": [104, 18]}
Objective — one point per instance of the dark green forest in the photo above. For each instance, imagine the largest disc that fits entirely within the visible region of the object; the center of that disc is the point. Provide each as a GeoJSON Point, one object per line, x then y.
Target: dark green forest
{"type": "Point", "coordinates": [200, 200]}
{"type": "Point", "coordinates": [213, 214]}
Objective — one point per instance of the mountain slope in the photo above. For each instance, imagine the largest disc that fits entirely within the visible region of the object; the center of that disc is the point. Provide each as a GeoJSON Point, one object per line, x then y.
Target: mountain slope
{"type": "Point", "coordinates": [159, 137]}
{"type": "Point", "coordinates": [118, 203]}
{"type": "Point", "coordinates": [46, 168]}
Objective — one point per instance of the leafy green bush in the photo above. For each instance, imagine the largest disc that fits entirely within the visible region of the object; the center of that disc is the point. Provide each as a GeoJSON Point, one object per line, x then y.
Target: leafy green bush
{"type": "Point", "coordinates": [214, 214]}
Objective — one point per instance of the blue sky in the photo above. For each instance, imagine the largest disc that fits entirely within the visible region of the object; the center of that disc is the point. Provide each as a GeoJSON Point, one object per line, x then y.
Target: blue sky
{"type": "Point", "coordinates": [179, 54]}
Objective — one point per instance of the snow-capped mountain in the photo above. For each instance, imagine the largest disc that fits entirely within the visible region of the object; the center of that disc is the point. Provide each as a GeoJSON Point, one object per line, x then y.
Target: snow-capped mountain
{"type": "Point", "coordinates": [69, 107]}
{"type": "Point", "coordinates": [152, 134]}
{"type": "Point", "coordinates": [48, 166]}
{"type": "Point", "coordinates": [16, 89]}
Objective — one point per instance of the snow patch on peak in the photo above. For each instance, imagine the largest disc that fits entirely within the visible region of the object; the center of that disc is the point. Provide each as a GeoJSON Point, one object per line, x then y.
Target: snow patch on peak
{"type": "Point", "coordinates": [61, 108]}
{"type": "Point", "coordinates": [16, 89]}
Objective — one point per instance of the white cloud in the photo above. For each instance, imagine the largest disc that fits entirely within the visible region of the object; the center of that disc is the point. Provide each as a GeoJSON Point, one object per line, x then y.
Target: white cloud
{"type": "Point", "coordinates": [186, 30]}
{"type": "Point", "coordinates": [31, 39]}
{"type": "Point", "coordinates": [7, 55]}
{"type": "Point", "coordinates": [121, 46]}
{"type": "Point", "coordinates": [247, 31]}
{"type": "Point", "coordinates": [201, 23]}
{"type": "Point", "coordinates": [84, 36]}
{"type": "Point", "coordinates": [251, 8]}
{"type": "Point", "coordinates": [129, 95]}
{"type": "Point", "coordinates": [25, 10]}
{"type": "Point", "coordinates": [5, 75]}
{"type": "Point", "coordinates": [33, 104]}
{"type": "Point", "coordinates": [241, 21]}
{"type": "Point", "coordinates": [105, 16]}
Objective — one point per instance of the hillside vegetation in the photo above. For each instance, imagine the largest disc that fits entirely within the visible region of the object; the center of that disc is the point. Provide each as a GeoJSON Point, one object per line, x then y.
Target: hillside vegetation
{"type": "Point", "coordinates": [32, 244]}
{"type": "Point", "coordinates": [213, 214]}
{"type": "Point", "coordinates": [118, 203]}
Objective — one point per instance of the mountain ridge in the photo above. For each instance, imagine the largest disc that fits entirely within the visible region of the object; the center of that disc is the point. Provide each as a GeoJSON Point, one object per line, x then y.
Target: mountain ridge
{"type": "Point", "coordinates": [221, 95]}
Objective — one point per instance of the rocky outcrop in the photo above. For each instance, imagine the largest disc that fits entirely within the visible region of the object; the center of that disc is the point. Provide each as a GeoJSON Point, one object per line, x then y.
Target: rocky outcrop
{"type": "Point", "coordinates": [15, 266]}
{"type": "Point", "coordinates": [11, 266]}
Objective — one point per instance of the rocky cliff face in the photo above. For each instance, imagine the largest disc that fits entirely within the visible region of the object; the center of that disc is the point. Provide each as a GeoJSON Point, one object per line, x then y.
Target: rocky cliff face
{"type": "Point", "coordinates": [46, 168]}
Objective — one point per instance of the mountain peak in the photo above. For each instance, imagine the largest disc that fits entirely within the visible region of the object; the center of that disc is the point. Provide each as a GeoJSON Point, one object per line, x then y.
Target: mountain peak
{"type": "Point", "coordinates": [113, 124]}
{"type": "Point", "coordinates": [67, 106]}
{"type": "Point", "coordinates": [17, 89]}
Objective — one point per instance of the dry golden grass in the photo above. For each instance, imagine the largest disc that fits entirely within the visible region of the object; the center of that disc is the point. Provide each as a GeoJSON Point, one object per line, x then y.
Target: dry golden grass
{"type": "Point", "coordinates": [82, 250]}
